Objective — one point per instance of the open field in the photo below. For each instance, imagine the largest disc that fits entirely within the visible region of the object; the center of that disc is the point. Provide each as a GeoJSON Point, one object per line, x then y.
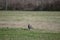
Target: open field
{"type": "Point", "coordinates": [25, 34]}
{"type": "Point", "coordinates": [40, 20]}
{"type": "Point", "coordinates": [13, 25]}
{"type": "Point", "coordinates": [49, 21]}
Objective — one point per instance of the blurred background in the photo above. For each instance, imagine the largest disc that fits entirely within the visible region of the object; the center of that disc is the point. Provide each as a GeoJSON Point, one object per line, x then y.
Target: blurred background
{"type": "Point", "coordinates": [30, 5]}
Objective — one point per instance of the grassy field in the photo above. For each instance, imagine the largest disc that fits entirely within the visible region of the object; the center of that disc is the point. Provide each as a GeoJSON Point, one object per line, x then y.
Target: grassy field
{"type": "Point", "coordinates": [25, 34]}
{"type": "Point", "coordinates": [39, 20]}
{"type": "Point", "coordinates": [13, 25]}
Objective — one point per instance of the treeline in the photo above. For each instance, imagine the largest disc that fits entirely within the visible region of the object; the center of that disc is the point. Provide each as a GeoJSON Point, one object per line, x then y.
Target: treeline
{"type": "Point", "coordinates": [30, 5]}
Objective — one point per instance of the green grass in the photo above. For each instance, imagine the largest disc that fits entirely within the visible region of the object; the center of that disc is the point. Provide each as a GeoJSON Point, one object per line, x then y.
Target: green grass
{"type": "Point", "coordinates": [25, 34]}
{"type": "Point", "coordinates": [35, 16]}
{"type": "Point", "coordinates": [48, 22]}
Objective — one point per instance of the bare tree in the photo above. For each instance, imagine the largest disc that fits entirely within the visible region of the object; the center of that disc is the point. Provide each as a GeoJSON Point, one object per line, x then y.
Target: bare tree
{"type": "Point", "coordinates": [6, 3]}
